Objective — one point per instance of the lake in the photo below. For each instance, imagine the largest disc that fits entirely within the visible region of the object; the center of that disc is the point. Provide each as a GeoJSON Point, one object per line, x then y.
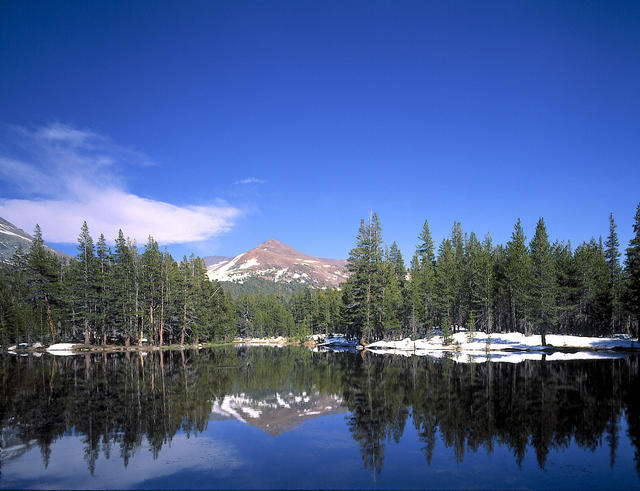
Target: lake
{"type": "Point", "coordinates": [267, 417]}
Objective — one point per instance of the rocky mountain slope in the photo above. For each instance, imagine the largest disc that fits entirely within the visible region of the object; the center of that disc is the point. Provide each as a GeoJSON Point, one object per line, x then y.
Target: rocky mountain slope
{"type": "Point", "coordinates": [12, 237]}
{"type": "Point", "coordinates": [275, 261]}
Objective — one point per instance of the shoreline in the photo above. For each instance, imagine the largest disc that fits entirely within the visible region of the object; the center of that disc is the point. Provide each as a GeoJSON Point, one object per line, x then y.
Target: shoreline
{"type": "Point", "coordinates": [509, 342]}
{"type": "Point", "coordinates": [477, 344]}
{"type": "Point", "coordinates": [62, 349]}
{"type": "Point", "coordinates": [79, 349]}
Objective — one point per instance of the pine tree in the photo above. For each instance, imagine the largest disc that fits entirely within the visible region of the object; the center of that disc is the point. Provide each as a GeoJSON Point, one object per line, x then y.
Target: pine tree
{"type": "Point", "coordinates": [612, 254]}
{"type": "Point", "coordinates": [86, 280]}
{"type": "Point", "coordinates": [542, 286]}
{"type": "Point", "coordinates": [393, 293]}
{"type": "Point", "coordinates": [364, 311]}
{"type": "Point", "coordinates": [501, 301]}
{"type": "Point", "coordinates": [187, 293]}
{"type": "Point", "coordinates": [425, 277]}
{"type": "Point", "coordinates": [41, 280]}
{"type": "Point", "coordinates": [517, 272]}
{"type": "Point", "coordinates": [480, 280]}
{"type": "Point", "coordinates": [472, 254]}
{"type": "Point", "coordinates": [168, 272]}
{"type": "Point", "coordinates": [461, 290]}
{"type": "Point", "coordinates": [103, 258]}
{"type": "Point", "coordinates": [567, 285]}
{"type": "Point", "coordinates": [632, 273]}
{"type": "Point", "coordinates": [425, 248]}
{"type": "Point", "coordinates": [122, 289]}
{"type": "Point", "coordinates": [415, 305]}
{"type": "Point", "coordinates": [445, 330]}
{"type": "Point", "coordinates": [446, 280]}
{"type": "Point", "coordinates": [218, 312]}
{"type": "Point", "coordinates": [486, 283]}
{"type": "Point", "coordinates": [137, 320]}
{"type": "Point", "coordinates": [201, 299]}
{"type": "Point", "coordinates": [152, 285]}
{"type": "Point", "coordinates": [593, 288]}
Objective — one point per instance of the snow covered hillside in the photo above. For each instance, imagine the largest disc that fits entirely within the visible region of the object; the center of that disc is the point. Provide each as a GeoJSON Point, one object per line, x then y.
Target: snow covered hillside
{"type": "Point", "coordinates": [275, 261]}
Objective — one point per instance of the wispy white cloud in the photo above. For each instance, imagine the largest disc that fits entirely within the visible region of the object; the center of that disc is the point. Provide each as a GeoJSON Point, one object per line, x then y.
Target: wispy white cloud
{"type": "Point", "coordinates": [65, 175]}
{"type": "Point", "coordinates": [251, 180]}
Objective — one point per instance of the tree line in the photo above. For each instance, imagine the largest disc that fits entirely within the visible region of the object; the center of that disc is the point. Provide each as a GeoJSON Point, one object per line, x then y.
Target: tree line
{"type": "Point", "coordinates": [126, 295]}
{"type": "Point", "coordinates": [534, 287]}
{"type": "Point", "coordinates": [120, 295]}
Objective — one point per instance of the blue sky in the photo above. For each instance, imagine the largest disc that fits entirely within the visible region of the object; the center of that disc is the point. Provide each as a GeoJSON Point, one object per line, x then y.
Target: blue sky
{"type": "Point", "coordinates": [216, 125]}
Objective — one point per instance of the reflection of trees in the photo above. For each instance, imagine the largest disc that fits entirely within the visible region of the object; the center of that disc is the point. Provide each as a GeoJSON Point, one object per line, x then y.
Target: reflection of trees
{"type": "Point", "coordinates": [115, 402]}
{"type": "Point", "coordinates": [119, 400]}
{"type": "Point", "coordinates": [542, 404]}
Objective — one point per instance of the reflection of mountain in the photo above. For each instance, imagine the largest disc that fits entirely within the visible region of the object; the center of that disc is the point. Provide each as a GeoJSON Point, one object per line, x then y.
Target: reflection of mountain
{"type": "Point", "coordinates": [279, 412]}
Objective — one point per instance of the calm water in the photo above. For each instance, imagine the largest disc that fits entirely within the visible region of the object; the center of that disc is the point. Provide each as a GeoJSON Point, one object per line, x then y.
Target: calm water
{"type": "Point", "coordinates": [289, 418]}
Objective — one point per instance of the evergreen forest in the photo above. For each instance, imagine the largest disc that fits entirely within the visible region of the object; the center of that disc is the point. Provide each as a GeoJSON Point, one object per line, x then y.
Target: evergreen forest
{"type": "Point", "coordinates": [126, 295]}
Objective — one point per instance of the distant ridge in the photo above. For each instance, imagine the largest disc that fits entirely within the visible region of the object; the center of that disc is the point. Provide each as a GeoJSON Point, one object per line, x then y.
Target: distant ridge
{"type": "Point", "coordinates": [12, 237]}
{"type": "Point", "coordinates": [272, 260]}
{"type": "Point", "coordinates": [211, 260]}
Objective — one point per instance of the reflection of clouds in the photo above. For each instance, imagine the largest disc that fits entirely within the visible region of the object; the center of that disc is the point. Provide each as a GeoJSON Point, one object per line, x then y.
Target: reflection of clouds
{"type": "Point", "coordinates": [68, 469]}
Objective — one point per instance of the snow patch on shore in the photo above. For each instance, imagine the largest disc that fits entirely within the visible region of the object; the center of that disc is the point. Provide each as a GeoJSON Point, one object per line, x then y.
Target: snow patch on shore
{"type": "Point", "coordinates": [509, 341]}
{"type": "Point", "coordinates": [507, 347]}
{"type": "Point", "coordinates": [279, 341]}
{"type": "Point", "coordinates": [61, 347]}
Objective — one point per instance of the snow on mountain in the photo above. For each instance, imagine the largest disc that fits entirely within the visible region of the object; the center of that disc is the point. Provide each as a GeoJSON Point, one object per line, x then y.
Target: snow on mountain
{"type": "Point", "coordinates": [12, 237]}
{"type": "Point", "coordinates": [275, 261]}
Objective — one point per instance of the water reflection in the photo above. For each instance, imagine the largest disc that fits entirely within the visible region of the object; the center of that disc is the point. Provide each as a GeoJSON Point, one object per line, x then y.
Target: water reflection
{"type": "Point", "coordinates": [546, 405]}
{"type": "Point", "coordinates": [117, 402]}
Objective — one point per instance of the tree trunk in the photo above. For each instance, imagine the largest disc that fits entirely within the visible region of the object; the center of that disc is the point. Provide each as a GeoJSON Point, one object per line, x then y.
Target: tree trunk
{"type": "Point", "coordinates": [184, 325]}
{"type": "Point", "coordinates": [161, 323]}
{"type": "Point", "coordinates": [162, 288]}
{"type": "Point", "coordinates": [138, 323]}
{"type": "Point", "coordinates": [53, 330]}
{"type": "Point", "coordinates": [184, 312]}
{"type": "Point", "coordinates": [512, 306]}
{"type": "Point", "coordinates": [151, 324]}
{"type": "Point", "coordinates": [413, 322]}
{"type": "Point", "coordinates": [86, 294]}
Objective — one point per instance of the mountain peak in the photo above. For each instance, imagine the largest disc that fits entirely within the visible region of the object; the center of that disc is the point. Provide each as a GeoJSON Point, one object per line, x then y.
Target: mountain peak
{"type": "Point", "coordinates": [271, 243]}
{"type": "Point", "coordinates": [274, 245]}
{"type": "Point", "coordinates": [275, 261]}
